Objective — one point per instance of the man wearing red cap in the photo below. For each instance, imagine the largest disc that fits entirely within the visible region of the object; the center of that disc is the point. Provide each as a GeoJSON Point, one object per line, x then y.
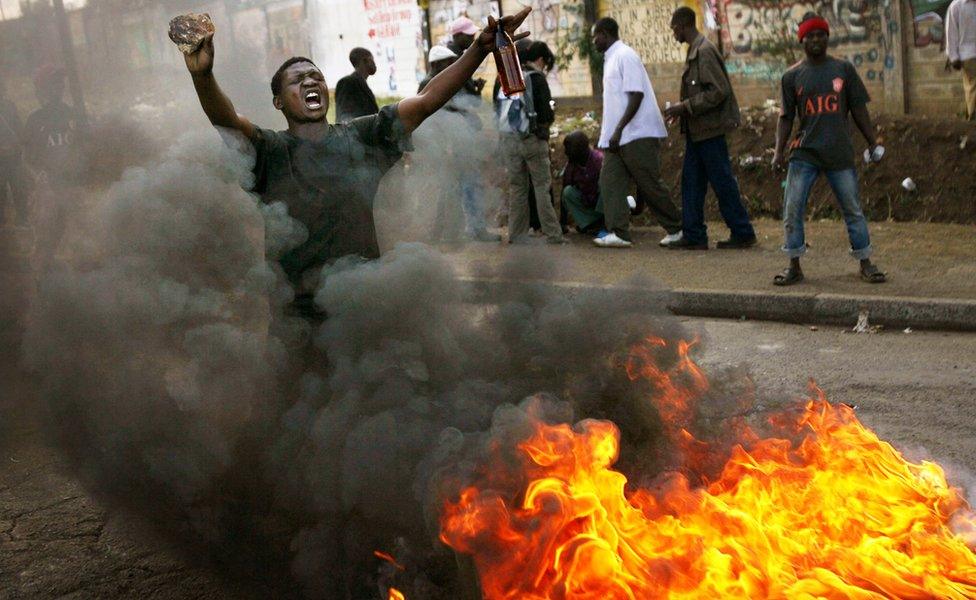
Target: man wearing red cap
{"type": "Point", "coordinates": [821, 90]}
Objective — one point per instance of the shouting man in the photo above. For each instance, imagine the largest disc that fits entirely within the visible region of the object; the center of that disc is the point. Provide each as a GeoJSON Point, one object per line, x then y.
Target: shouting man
{"type": "Point", "coordinates": [327, 174]}
{"type": "Point", "coordinates": [822, 90]}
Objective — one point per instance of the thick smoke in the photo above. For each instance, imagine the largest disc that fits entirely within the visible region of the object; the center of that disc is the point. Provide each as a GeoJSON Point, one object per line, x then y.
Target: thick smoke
{"type": "Point", "coordinates": [182, 388]}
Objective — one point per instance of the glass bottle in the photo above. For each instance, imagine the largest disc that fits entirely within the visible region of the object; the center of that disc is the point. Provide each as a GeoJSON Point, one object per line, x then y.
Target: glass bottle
{"type": "Point", "coordinates": [508, 65]}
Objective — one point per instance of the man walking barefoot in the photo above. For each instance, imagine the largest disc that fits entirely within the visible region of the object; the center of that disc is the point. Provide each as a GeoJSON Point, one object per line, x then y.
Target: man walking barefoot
{"type": "Point", "coordinates": [821, 90]}
{"type": "Point", "coordinates": [708, 110]}
{"type": "Point", "coordinates": [630, 135]}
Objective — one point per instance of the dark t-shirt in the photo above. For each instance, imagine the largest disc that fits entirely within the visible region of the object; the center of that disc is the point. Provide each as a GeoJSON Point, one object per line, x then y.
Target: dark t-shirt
{"type": "Point", "coordinates": [51, 135]}
{"type": "Point", "coordinates": [329, 185]}
{"type": "Point", "coordinates": [823, 96]}
{"type": "Point", "coordinates": [10, 133]}
{"type": "Point", "coordinates": [354, 98]}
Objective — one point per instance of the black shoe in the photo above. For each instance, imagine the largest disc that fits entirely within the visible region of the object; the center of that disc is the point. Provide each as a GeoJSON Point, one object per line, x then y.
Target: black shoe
{"type": "Point", "coordinates": [686, 244]}
{"type": "Point", "coordinates": [734, 243]}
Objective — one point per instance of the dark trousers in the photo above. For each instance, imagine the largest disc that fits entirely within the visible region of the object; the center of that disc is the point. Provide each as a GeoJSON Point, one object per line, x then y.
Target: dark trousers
{"type": "Point", "coordinates": [707, 162]}
{"type": "Point", "coordinates": [638, 161]}
{"type": "Point", "coordinates": [13, 176]}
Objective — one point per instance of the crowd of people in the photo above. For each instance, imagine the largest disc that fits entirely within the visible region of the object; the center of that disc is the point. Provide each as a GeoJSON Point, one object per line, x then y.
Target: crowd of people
{"type": "Point", "coordinates": [327, 174]}
{"type": "Point", "coordinates": [596, 181]}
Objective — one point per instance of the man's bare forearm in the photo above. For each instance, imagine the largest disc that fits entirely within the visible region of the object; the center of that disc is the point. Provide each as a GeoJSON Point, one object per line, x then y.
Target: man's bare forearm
{"type": "Point", "coordinates": [863, 121]}
{"type": "Point", "coordinates": [784, 127]}
{"type": "Point", "coordinates": [217, 106]}
{"type": "Point", "coordinates": [634, 100]}
{"type": "Point", "coordinates": [413, 111]}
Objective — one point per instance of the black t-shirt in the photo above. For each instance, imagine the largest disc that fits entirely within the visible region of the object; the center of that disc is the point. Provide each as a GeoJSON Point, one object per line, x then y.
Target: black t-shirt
{"type": "Point", "coordinates": [329, 185]}
{"type": "Point", "coordinates": [51, 135]}
{"type": "Point", "coordinates": [822, 96]}
{"type": "Point", "coordinates": [354, 98]}
{"type": "Point", "coordinates": [10, 134]}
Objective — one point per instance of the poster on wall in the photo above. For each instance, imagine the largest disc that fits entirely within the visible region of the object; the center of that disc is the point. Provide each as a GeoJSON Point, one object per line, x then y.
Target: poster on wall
{"type": "Point", "coordinates": [929, 17]}
{"type": "Point", "coordinates": [394, 32]}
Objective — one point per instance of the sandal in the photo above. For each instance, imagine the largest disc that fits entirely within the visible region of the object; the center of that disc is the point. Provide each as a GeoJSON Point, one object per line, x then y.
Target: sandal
{"type": "Point", "coordinates": [873, 275]}
{"type": "Point", "coordinates": [789, 276]}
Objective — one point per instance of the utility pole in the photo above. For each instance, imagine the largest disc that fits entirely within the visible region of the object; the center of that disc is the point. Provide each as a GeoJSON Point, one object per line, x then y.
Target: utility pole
{"type": "Point", "coordinates": [70, 65]}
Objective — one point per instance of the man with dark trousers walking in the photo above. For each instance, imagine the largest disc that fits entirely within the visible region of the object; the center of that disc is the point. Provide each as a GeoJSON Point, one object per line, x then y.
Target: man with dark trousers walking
{"type": "Point", "coordinates": [707, 111]}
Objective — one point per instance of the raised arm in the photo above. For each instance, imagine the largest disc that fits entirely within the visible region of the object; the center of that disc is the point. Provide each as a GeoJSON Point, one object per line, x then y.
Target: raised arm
{"type": "Point", "coordinates": [217, 106]}
{"type": "Point", "coordinates": [413, 111]}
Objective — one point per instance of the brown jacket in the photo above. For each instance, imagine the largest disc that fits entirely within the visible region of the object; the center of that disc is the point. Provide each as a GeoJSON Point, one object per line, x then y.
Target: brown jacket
{"type": "Point", "coordinates": [707, 93]}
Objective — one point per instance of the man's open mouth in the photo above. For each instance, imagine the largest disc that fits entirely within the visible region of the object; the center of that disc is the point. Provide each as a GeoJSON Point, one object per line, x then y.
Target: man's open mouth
{"type": "Point", "coordinates": [313, 100]}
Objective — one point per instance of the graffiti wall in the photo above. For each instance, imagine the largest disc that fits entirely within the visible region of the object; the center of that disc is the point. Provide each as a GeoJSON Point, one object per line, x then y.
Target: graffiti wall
{"type": "Point", "coordinates": [760, 37]}
{"type": "Point", "coordinates": [928, 17]}
{"type": "Point", "coordinates": [558, 23]}
{"type": "Point", "coordinates": [644, 27]}
{"type": "Point", "coordinates": [391, 29]}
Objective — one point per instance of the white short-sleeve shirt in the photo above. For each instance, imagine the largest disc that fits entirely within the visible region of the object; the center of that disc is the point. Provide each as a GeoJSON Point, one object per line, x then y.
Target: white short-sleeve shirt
{"type": "Point", "coordinates": [623, 71]}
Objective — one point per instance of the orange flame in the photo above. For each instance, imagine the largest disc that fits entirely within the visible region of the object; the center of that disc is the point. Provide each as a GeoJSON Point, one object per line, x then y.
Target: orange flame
{"type": "Point", "coordinates": [396, 594]}
{"type": "Point", "coordinates": [837, 514]}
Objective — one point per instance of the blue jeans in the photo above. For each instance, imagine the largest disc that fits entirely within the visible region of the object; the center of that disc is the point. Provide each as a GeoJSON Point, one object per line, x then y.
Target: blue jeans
{"type": "Point", "coordinates": [799, 180]}
{"type": "Point", "coordinates": [707, 162]}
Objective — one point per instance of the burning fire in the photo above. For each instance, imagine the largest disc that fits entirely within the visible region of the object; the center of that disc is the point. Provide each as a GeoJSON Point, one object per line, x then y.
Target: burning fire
{"type": "Point", "coordinates": [828, 511]}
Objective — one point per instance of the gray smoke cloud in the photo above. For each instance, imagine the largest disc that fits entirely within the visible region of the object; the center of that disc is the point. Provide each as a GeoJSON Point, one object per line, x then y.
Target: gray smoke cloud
{"type": "Point", "coordinates": [181, 386]}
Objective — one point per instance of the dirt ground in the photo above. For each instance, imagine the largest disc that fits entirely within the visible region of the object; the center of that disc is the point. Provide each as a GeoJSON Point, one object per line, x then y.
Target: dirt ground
{"type": "Point", "coordinates": [937, 154]}
{"type": "Point", "coordinates": [58, 541]}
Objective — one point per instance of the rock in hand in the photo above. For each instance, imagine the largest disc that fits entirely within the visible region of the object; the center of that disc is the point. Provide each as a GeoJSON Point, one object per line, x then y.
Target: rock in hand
{"type": "Point", "coordinates": [188, 31]}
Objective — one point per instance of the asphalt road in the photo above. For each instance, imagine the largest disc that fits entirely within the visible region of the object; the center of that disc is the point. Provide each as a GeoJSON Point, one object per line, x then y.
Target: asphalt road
{"type": "Point", "coordinates": [56, 541]}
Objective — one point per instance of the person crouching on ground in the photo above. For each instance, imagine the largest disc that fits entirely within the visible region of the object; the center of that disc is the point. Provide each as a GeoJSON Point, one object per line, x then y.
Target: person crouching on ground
{"type": "Point", "coordinates": [708, 110]}
{"type": "Point", "coordinates": [581, 183]}
{"type": "Point", "coordinates": [821, 90]}
{"type": "Point", "coordinates": [631, 135]}
{"type": "Point", "coordinates": [327, 175]}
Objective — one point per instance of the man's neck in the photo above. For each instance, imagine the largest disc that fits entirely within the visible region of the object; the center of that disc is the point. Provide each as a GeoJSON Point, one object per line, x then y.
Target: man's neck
{"type": "Point", "coordinates": [362, 73]}
{"type": "Point", "coordinates": [315, 130]}
{"type": "Point", "coordinates": [817, 60]}
{"type": "Point", "coordinates": [692, 35]}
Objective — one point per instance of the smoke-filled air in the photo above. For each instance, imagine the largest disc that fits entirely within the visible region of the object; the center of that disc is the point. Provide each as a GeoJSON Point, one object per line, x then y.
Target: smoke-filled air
{"type": "Point", "coordinates": [326, 411]}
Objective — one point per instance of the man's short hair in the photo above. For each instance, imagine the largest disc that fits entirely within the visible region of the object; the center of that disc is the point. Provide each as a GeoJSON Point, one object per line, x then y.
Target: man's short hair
{"type": "Point", "coordinates": [358, 55]}
{"type": "Point", "coordinates": [609, 26]}
{"type": "Point", "coordinates": [276, 80]}
{"type": "Point", "coordinates": [684, 16]}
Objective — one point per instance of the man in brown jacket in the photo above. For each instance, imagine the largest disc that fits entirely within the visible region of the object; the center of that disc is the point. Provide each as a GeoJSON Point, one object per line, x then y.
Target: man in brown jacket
{"type": "Point", "coordinates": [708, 110]}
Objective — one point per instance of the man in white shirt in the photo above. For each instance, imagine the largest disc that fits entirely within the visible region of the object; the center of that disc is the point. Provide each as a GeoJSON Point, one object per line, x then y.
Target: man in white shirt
{"type": "Point", "coordinates": [960, 37]}
{"type": "Point", "coordinates": [631, 134]}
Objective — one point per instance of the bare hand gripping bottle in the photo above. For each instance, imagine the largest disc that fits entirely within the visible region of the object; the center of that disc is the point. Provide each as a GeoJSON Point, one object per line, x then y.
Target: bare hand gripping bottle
{"type": "Point", "coordinates": [508, 65]}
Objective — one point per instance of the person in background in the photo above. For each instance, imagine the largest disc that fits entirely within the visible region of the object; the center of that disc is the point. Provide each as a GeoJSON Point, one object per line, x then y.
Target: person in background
{"type": "Point", "coordinates": [52, 138]}
{"type": "Point", "coordinates": [524, 124]}
{"type": "Point", "coordinates": [708, 110]}
{"type": "Point", "coordinates": [960, 47]}
{"type": "Point", "coordinates": [581, 183]}
{"type": "Point", "coordinates": [353, 96]}
{"type": "Point", "coordinates": [821, 91]}
{"type": "Point", "coordinates": [13, 178]}
{"type": "Point", "coordinates": [462, 32]}
{"type": "Point", "coordinates": [463, 156]}
{"type": "Point", "coordinates": [630, 135]}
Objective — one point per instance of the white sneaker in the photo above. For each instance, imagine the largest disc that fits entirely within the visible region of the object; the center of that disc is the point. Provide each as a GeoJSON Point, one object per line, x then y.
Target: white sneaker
{"type": "Point", "coordinates": [671, 237]}
{"type": "Point", "coordinates": [612, 240]}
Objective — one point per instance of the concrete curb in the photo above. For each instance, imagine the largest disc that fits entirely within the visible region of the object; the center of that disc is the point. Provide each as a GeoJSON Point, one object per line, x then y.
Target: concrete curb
{"type": "Point", "coordinates": [819, 309]}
